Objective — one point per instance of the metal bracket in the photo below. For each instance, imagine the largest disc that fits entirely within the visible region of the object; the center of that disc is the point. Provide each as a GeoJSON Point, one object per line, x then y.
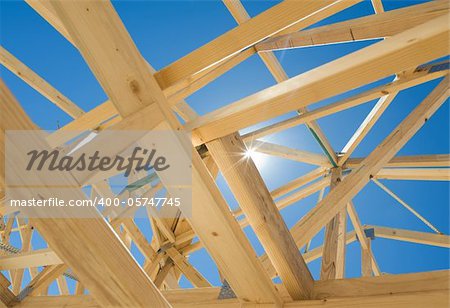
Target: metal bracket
{"type": "Point", "coordinates": [370, 233]}
{"type": "Point", "coordinates": [226, 292]}
{"type": "Point", "coordinates": [164, 248]}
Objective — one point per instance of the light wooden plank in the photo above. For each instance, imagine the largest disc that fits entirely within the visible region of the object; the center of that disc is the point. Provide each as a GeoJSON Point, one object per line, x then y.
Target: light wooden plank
{"type": "Point", "coordinates": [44, 279]}
{"type": "Point", "coordinates": [255, 200]}
{"type": "Point", "coordinates": [334, 243]}
{"type": "Point", "coordinates": [211, 219]}
{"type": "Point", "coordinates": [402, 300]}
{"type": "Point", "coordinates": [298, 182]}
{"type": "Point", "coordinates": [194, 276]}
{"type": "Point", "coordinates": [7, 297]}
{"type": "Point", "coordinates": [119, 279]}
{"type": "Point", "coordinates": [418, 76]}
{"type": "Point", "coordinates": [369, 263]}
{"type": "Point", "coordinates": [273, 65]}
{"type": "Point", "coordinates": [409, 208]}
{"type": "Point", "coordinates": [386, 284]}
{"type": "Point", "coordinates": [413, 47]}
{"type": "Point", "coordinates": [309, 256]}
{"type": "Point", "coordinates": [383, 291]}
{"type": "Point", "coordinates": [369, 27]}
{"type": "Point", "coordinates": [39, 84]}
{"type": "Point", "coordinates": [424, 238]}
{"type": "Point", "coordinates": [337, 199]}
{"type": "Point", "coordinates": [280, 17]}
{"type": "Point", "coordinates": [369, 121]}
{"type": "Point", "coordinates": [377, 6]}
{"type": "Point", "coordinates": [415, 161]}
{"type": "Point", "coordinates": [414, 174]}
{"type": "Point", "coordinates": [34, 258]}
{"type": "Point", "coordinates": [289, 153]}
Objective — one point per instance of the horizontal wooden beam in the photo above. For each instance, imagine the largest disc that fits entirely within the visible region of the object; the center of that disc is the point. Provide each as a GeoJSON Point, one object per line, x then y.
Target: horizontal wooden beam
{"type": "Point", "coordinates": [411, 48]}
{"type": "Point", "coordinates": [34, 258]}
{"type": "Point", "coordinates": [262, 213]}
{"type": "Point", "coordinates": [113, 57]}
{"type": "Point", "coordinates": [413, 161]}
{"type": "Point", "coordinates": [118, 275]}
{"type": "Point", "coordinates": [414, 174]}
{"type": "Point", "coordinates": [289, 153]}
{"type": "Point", "coordinates": [369, 27]}
{"type": "Point", "coordinates": [426, 238]}
{"type": "Point", "coordinates": [338, 198]}
{"type": "Point", "coordinates": [282, 16]}
{"type": "Point", "coordinates": [404, 290]}
{"type": "Point", "coordinates": [39, 84]}
{"type": "Point", "coordinates": [419, 76]}
{"type": "Point", "coordinates": [382, 285]}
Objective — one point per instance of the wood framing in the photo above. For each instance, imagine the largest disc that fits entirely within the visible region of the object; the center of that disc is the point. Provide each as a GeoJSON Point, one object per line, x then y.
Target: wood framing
{"type": "Point", "coordinates": [264, 237]}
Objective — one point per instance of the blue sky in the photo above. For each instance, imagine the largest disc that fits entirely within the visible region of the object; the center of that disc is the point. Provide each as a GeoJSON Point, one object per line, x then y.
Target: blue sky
{"type": "Point", "coordinates": [166, 31]}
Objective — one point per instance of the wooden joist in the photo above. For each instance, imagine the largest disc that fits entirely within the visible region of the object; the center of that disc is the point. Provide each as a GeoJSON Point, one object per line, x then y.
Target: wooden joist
{"type": "Point", "coordinates": [34, 258]}
{"type": "Point", "coordinates": [407, 49]}
{"type": "Point", "coordinates": [424, 238]}
{"type": "Point", "coordinates": [119, 280]}
{"type": "Point", "coordinates": [367, 254]}
{"type": "Point", "coordinates": [337, 199]}
{"type": "Point", "coordinates": [274, 66]}
{"type": "Point", "coordinates": [411, 79]}
{"type": "Point", "coordinates": [413, 161]}
{"type": "Point", "coordinates": [111, 54]}
{"type": "Point", "coordinates": [404, 290]}
{"type": "Point", "coordinates": [334, 243]}
{"type": "Point", "coordinates": [292, 15]}
{"type": "Point", "coordinates": [39, 84]}
{"type": "Point", "coordinates": [262, 213]}
{"type": "Point", "coordinates": [370, 27]}
{"type": "Point", "coordinates": [414, 174]}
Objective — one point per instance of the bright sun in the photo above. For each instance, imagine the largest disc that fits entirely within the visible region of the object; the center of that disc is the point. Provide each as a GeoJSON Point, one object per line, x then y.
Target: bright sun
{"type": "Point", "coordinates": [258, 158]}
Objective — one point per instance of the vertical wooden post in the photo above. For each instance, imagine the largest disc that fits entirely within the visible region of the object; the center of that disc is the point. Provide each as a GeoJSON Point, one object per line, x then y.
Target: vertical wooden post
{"type": "Point", "coordinates": [333, 258]}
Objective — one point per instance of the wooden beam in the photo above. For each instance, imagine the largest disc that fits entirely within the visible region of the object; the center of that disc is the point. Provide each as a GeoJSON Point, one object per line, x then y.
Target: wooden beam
{"type": "Point", "coordinates": [377, 6]}
{"type": "Point", "coordinates": [7, 297]}
{"type": "Point", "coordinates": [337, 199]}
{"type": "Point", "coordinates": [289, 153]}
{"type": "Point", "coordinates": [44, 279]}
{"type": "Point", "coordinates": [303, 193]}
{"type": "Point", "coordinates": [414, 161]}
{"type": "Point", "coordinates": [369, 27]}
{"type": "Point", "coordinates": [119, 278]}
{"type": "Point", "coordinates": [402, 300]}
{"type": "Point", "coordinates": [309, 256]}
{"type": "Point", "coordinates": [333, 256]}
{"type": "Point", "coordinates": [405, 205]}
{"type": "Point", "coordinates": [404, 290]}
{"type": "Point", "coordinates": [280, 17]}
{"type": "Point", "coordinates": [34, 258]}
{"type": "Point", "coordinates": [419, 76]}
{"type": "Point", "coordinates": [290, 199]}
{"type": "Point", "coordinates": [273, 65]}
{"type": "Point", "coordinates": [375, 113]}
{"type": "Point", "coordinates": [298, 182]}
{"type": "Point", "coordinates": [39, 84]}
{"type": "Point", "coordinates": [424, 238]}
{"type": "Point", "coordinates": [255, 200]}
{"type": "Point", "coordinates": [385, 284]}
{"type": "Point", "coordinates": [194, 276]}
{"type": "Point", "coordinates": [368, 258]}
{"type": "Point", "coordinates": [414, 174]}
{"type": "Point", "coordinates": [413, 47]}
{"type": "Point", "coordinates": [113, 57]}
